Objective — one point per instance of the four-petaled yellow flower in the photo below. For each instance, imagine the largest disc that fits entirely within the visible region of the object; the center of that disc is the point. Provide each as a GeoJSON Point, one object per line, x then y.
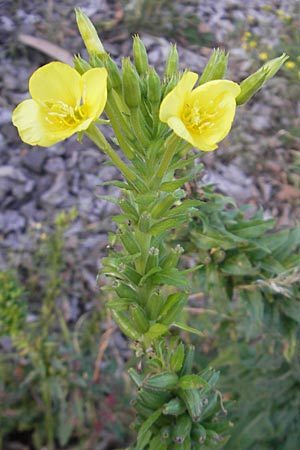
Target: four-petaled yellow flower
{"type": "Point", "coordinates": [63, 103]}
{"type": "Point", "coordinates": [203, 116]}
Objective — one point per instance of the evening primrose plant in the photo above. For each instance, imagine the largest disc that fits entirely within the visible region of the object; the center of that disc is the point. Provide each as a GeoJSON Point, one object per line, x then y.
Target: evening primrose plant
{"type": "Point", "coordinates": [157, 124]}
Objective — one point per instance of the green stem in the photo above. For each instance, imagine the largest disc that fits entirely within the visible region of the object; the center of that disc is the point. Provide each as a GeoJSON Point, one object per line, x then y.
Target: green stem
{"type": "Point", "coordinates": [48, 418]}
{"type": "Point", "coordinates": [171, 147]}
{"type": "Point", "coordinates": [97, 137]}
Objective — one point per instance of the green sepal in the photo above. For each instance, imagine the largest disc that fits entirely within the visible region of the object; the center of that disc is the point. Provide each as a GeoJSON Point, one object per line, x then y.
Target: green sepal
{"type": "Point", "coordinates": [158, 444]}
{"type": "Point", "coordinates": [198, 433]}
{"type": "Point", "coordinates": [154, 306]}
{"type": "Point", "coordinates": [173, 307]}
{"type": "Point", "coordinates": [145, 222]}
{"type": "Point", "coordinates": [81, 65]}
{"type": "Point", "coordinates": [172, 63]}
{"type": "Point", "coordinates": [153, 87]}
{"type": "Point", "coordinates": [192, 400]}
{"type": "Point", "coordinates": [162, 205]}
{"type": "Point", "coordinates": [172, 258]}
{"type": "Point", "coordinates": [153, 399]}
{"type": "Point", "coordinates": [131, 274]}
{"type": "Point", "coordinates": [125, 325]}
{"type": "Point", "coordinates": [125, 291]}
{"type": "Point", "coordinates": [215, 68]}
{"type": "Point", "coordinates": [177, 358]}
{"type": "Point", "coordinates": [162, 381]}
{"type": "Point", "coordinates": [128, 208]}
{"type": "Point", "coordinates": [129, 242]}
{"type": "Point", "coordinates": [136, 377]}
{"type": "Point", "coordinates": [254, 82]}
{"type": "Point", "coordinates": [153, 259]}
{"type": "Point", "coordinates": [139, 318]}
{"type": "Point", "coordinates": [140, 56]}
{"type": "Point", "coordinates": [181, 428]}
{"type": "Point", "coordinates": [192, 382]}
{"type": "Point", "coordinates": [188, 360]}
{"type": "Point", "coordinates": [174, 407]}
{"type": "Point", "coordinates": [121, 304]}
{"type": "Point", "coordinates": [131, 84]}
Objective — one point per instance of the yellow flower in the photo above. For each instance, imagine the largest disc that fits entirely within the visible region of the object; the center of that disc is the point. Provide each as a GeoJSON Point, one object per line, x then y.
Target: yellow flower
{"type": "Point", "coordinates": [290, 65]}
{"type": "Point", "coordinates": [252, 44]}
{"type": "Point", "coordinates": [263, 56]}
{"type": "Point", "coordinates": [63, 103]}
{"type": "Point", "coordinates": [202, 116]}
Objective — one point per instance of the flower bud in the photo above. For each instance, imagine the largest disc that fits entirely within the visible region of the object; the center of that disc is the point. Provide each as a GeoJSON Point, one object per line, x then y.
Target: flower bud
{"type": "Point", "coordinates": [172, 62]}
{"type": "Point", "coordinates": [153, 87]}
{"type": "Point", "coordinates": [81, 65]}
{"type": "Point", "coordinates": [215, 68]}
{"type": "Point", "coordinates": [145, 222]}
{"type": "Point", "coordinates": [254, 82]}
{"type": "Point", "coordinates": [131, 84]}
{"type": "Point", "coordinates": [113, 73]}
{"type": "Point", "coordinates": [88, 33]}
{"type": "Point", "coordinates": [140, 56]}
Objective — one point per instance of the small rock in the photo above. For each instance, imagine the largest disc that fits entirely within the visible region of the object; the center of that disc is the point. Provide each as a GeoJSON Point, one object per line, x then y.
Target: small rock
{"type": "Point", "coordinates": [34, 161]}
{"type": "Point", "coordinates": [58, 192]}
{"type": "Point", "coordinates": [55, 165]}
{"type": "Point", "coordinates": [11, 221]}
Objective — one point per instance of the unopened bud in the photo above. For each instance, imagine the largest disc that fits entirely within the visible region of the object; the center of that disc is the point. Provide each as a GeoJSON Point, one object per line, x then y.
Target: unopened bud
{"type": "Point", "coordinates": [140, 56]}
{"type": "Point", "coordinates": [172, 62]}
{"type": "Point", "coordinates": [215, 68]}
{"type": "Point", "coordinates": [153, 87]}
{"type": "Point", "coordinates": [88, 33]}
{"type": "Point", "coordinates": [114, 75]}
{"type": "Point", "coordinates": [81, 65]}
{"type": "Point", "coordinates": [254, 82]}
{"type": "Point", "coordinates": [131, 84]}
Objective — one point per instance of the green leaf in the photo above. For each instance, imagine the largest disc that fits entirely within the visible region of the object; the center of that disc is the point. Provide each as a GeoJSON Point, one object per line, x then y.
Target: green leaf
{"type": "Point", "coordinates": [149, 274]}
{"type": "Point", "coordinates": [167, 224]}
{"type": "Point", "coordinates": [238, 265]}
{"type": "Point", "coordinates": [187, 328]}
{"type": "Point", "coordinates": [252, 229]}
{"type": "Point", "coordinates": [170, 186]}
{"type": "Point", "coordinates": [291, 308]}
{"type": "Point", "coordinates": [144, 433]}
{"type": "Point", "coordinates": [156, 330]}
{"type": "Point", "coordinates": [214, 239]}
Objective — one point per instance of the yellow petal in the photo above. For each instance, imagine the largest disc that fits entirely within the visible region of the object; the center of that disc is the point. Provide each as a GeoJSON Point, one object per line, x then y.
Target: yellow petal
{"type": "Point", "coordinates": [221, 124]}
{"type": "Point", "coordinates": [29, 118]}
{"type": "Point", "coordinates": [55, 82]}
{"type": "Point", "coordinates": [173, 103]}
{"type": "Point", "coordinates": [176, 124]}
{"type": "Point", "coordinates": [94, 91]}
{"type": "Point", "coordinates": [209, 91]}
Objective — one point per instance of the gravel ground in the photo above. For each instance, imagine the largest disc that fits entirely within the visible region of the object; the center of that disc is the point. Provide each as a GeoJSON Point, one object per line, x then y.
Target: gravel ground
{"type": "Point", "coordinates": [251, 165]}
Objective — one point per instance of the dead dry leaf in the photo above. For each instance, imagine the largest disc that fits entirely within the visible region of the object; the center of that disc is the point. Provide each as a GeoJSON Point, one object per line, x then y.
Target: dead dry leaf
{"type": "Point", "coordinates": [50, 49]}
